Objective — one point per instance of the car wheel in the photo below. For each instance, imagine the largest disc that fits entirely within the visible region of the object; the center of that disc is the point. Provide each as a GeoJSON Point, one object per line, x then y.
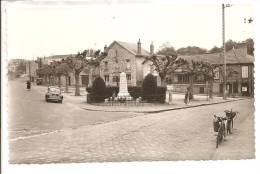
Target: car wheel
{"type": "Point", "coordinates": [60, 101]}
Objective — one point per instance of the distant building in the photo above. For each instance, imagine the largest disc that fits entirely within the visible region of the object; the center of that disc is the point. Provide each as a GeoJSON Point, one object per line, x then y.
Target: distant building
{"type": "Point", "coordinates": [131, 58]}
{"type": "Point", "coordinates": [240, 73]}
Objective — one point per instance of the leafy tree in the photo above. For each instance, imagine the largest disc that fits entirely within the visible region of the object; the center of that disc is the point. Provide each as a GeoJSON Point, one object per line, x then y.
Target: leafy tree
{"type": "Point", "coordinates": [21, 68]}
{"type": "Point", "coordinates": [166, 65]}
{"type": "Point", "coordinates": [230, 45]}
{"type": "Point", "coordinates": [77, 64]}
{"type": "Point", "coordinates": [209, 71]}
{"type": "Point", "coordinates": [63, 70]}
{"type": "Point", "coordinates": [191, 50]}
{"type": "Point", "coordinates": [215, 49]}
{"type": "Point", "coordinates": [167, 50]}
{"type": "Point", "coordinates": [149, 87]}
{"type": "Point", "coordinates": [193, 69]}
{"type": "Point", "coordinates": [46, 71]}
{"type": "Point", "coordinates": [250, 46]}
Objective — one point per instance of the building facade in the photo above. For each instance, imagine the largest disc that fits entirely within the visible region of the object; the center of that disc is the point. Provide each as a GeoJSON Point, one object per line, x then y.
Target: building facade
{"type": "Point", "coordinates": [123, 57]}
{"type": "Point", "coordinates": [239, 74]}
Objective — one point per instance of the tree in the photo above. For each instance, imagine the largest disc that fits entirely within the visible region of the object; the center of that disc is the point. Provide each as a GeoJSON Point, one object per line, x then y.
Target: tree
{"type": "Point", "coordinates": [167, 50]}
{"type": "Point", "coordinates": [230, 45]}
{"type": "Point", "coordinates": [77, 64]}
{"type": "Point", "coordinates": [215, 49]}
{"type": "Point", "coordinates": [191, 50]}
{"type": "Point", "coordinates": [46, 71]}
{"type": "Point", "coordinates": [209, 71]}
{"type": "Point", "coordinates": [98, 90]}
{"type": "Point", "coordinates": [193, 69]}
{"type": "Point", "coordinates": [149, 87]}
{"type": "Point", "coordinates": [250, 46]}
{"type": "Point", "coordinates": [63, 69]}
{"type": "Point", "coordinates": [21, 68]}
{"type": "Point", "coordinates": [166, 65]}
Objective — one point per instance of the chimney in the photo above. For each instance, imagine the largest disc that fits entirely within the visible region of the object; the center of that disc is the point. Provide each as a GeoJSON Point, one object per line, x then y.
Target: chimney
{"type": "Point", "coordinates": [139, 47]}
{"type": "Point", "coordinates": [151, 48]}
{"type": "Point", "coordinates": [105, 48]}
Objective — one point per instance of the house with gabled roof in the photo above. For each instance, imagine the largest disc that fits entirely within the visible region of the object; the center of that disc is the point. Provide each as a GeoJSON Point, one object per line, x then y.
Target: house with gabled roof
{"type": "Point", "coordinates": [124, 57]}
{"type": "Point", "coordinates": [240, 73]}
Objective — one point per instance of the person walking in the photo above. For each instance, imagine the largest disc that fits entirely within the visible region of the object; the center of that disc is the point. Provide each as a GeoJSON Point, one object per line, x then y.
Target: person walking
{"type": "Point", "coordinates": [187, 96]}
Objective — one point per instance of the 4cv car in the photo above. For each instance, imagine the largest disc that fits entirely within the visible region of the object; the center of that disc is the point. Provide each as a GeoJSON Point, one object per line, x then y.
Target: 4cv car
{"type": "Point", "coordinates": [53, 94]}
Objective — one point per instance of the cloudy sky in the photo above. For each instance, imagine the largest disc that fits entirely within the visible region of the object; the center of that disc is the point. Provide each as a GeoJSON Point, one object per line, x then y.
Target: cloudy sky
{"type": "Point", "coordinates": [43, 29]}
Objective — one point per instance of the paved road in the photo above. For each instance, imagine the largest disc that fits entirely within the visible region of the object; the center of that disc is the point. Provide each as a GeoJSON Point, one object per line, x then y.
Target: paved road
{"type": "Point", "coordinates": [174, 135]}
{"type": "Point", "coordinates": [29, 114]}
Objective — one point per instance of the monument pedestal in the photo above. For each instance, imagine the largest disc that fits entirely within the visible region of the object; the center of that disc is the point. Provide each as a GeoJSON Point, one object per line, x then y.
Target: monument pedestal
{"type": "Point", "coordinates": [123, 91]}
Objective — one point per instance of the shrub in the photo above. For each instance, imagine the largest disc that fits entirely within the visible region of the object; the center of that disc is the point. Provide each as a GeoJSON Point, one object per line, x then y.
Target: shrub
{"type": "Point", "coordinates": [110, 90]}
{"type": "Point", "coordinates": [88, 89]}
{"type": "Point", "coordinates": [135, 91]}
{"type": "Point", "coordinates": [149, 87]}
{"type": "Point", "coordinates": [98, 90]}
{"type": "Point", "coordinates": [160, 94]}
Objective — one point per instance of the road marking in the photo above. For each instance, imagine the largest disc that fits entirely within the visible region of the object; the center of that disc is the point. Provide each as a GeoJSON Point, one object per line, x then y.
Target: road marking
{"type": "Point", "coordinates": [33, 136]}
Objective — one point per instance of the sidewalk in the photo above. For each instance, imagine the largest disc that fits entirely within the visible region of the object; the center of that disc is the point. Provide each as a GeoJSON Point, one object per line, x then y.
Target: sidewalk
{"type": "Point", "coordinates": [177, 103]}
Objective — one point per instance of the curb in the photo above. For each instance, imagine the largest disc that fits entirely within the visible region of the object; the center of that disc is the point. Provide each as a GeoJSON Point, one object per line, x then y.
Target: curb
{"type": "Point", "coordinates": [170, 109]}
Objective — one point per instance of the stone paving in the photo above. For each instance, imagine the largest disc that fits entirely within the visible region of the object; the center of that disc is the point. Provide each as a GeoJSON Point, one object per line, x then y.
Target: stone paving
{"type": "Point", "coordinates": [174, 135]}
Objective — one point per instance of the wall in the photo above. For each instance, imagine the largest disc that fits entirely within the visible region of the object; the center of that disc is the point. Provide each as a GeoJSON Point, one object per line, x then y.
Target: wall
{"type": "Point", "coordinates": [114, 69]}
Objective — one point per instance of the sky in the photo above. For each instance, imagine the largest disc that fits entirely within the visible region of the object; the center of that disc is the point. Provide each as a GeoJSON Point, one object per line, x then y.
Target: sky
{"type": "Point", "coordinates": [43, 29]}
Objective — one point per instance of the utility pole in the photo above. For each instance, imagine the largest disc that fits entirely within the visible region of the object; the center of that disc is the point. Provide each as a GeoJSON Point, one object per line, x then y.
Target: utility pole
{"type": "Point", "coordinates": [29, 70]}
{"type": "Point", "coordinates": [224, 56]}
{"type": "Point", "coordinates": [224, 50]}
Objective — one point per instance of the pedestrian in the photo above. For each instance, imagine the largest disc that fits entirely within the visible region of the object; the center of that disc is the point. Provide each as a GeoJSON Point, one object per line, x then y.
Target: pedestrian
{"type": "Point", "coordinates": [187, 96]}
{"type": "Point", "coordinates": [113, 95]}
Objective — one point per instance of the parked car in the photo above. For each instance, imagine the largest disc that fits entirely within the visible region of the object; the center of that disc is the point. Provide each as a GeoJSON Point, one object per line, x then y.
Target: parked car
{"type": "Point", "coordinates": [53, 94]}
{"type": "Point", "coordinates": [39, 81]}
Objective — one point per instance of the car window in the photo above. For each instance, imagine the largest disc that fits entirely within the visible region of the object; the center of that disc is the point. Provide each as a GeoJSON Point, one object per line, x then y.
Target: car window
{"type": "Point", "coordinates": [55, 90]}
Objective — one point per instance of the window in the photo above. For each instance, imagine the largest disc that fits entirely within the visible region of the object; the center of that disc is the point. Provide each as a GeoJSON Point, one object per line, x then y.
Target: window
{"type": "Point", "coordinates": [199, 78]}
{"type": "Point", "coordinates": [128, 65]}
{"type": "Point", "coordinates": [115, 79]}
{"type": "Point", "coordinates": [106, 78]}
{"type": "Point", "coordinates": [128, 77]}
{"type": "Point", "coordinates": [116, 53]}
{"type": "Point", "coordinates": [106, 65]}
{"type": "Point", "coordinates": [183, 78]}
{"type": "Point", "coordinates": [244, 71]}
{"type": "Point", "coordinates": [201, 90]}
{"type": "Point", "coordinates": [216, 74]}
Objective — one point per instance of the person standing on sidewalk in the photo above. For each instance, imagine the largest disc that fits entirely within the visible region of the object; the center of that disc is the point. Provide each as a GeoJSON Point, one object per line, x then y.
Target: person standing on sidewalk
{"type": "Point", "coordinates": [187, 96]}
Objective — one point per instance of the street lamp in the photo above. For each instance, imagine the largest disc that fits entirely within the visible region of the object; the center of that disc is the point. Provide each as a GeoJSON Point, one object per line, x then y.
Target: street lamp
{"type": "Point", "coordinates": [224, 56]}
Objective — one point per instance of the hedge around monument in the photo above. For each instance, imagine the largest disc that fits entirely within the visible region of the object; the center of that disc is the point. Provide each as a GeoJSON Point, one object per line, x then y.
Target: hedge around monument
{"type": "Point", "coordinates": [98, 91]}
{"type": "Point", "coordinates": [149, 87]}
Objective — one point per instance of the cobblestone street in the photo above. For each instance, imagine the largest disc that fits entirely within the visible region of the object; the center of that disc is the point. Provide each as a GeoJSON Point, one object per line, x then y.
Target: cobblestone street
{"type": "Point", "coordinates": [185, 134]}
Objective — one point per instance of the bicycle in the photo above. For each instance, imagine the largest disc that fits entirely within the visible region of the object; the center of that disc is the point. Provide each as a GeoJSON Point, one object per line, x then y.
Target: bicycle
{"type": "Point", "coordinates": [230, 115]}
{"type": "Point", "coordinates": [219, 126]}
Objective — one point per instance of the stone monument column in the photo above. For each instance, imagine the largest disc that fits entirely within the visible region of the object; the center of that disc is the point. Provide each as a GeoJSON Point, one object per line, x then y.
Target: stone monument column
{"type": "Point", "coordinates": [123, 91]}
